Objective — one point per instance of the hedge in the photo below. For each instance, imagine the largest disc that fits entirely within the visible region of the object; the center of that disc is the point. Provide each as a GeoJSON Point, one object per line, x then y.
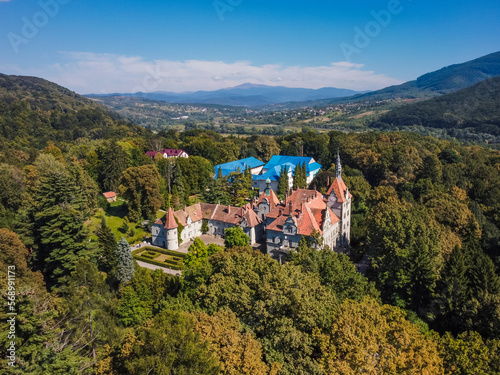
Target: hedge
{"type": "Point", "coordinates": [173, 263]}
{"type": "Point", "coordinates": [161, 251]}
{"type": "Point", "coordinates": [175, 266]}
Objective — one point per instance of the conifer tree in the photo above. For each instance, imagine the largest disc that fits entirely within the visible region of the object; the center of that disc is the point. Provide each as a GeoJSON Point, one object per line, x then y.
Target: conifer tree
{"type": "Point", "coordinates": [248, 179]}
{"type": "Point", "coordinates": [300, 176]}
{"type": "Point", "coordinates": [178, 187]}
{"type": "Point", "coordinates": [124, 262]}
{"type": "Point", "coordinates": [113, 162]}
{"type": "Point", "coordinates": [283, 183]}
{"type": "Point", "coordinates": [58, 227]}
{"type": "Point", "coordinates": [108, 244]}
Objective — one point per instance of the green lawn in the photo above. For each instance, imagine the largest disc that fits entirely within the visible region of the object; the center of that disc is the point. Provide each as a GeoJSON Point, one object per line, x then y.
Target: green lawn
{"type": "Point", "coordinates": [114, 219]}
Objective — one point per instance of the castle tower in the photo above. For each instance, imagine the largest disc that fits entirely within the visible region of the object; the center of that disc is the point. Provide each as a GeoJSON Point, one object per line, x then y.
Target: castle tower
{"type": "Point", "coordinates": [338, 167]}
{"type": "Point", "coordinates": [171, 229]}
{"type": "Point", "coordinates": [339, 200]}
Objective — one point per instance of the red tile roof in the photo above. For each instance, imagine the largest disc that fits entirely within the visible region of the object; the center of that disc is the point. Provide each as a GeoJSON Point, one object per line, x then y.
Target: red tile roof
{"type": "Point", "coordinates": [200, 211]}
{"type": "Point", "coordinates": [170, 220]}
{"type": "Point", "coordinates": [193, 211]}
{"type": "Point", "coordinates": [339, 188]}
{"type": "Point", "coordinates": [307, 207]}
{"type": "Point", "coordinates": [109, 194]}
{"type": "Point", "coordinates": [271, 198]}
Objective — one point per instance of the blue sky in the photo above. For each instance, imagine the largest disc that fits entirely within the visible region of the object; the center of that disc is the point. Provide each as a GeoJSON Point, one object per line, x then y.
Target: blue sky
{"type": "Point", "coordinates": [123, 46]}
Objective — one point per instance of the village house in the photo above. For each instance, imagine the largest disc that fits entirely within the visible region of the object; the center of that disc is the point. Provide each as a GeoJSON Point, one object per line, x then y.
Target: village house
{"type": "Point", "coordinates": [168, 153]}
{"type": "Point", "coordinates": [110, 196]}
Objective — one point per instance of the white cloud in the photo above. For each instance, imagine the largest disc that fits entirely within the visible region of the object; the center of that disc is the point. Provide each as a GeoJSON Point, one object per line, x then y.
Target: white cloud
{"type": "Point", "coordinates": [86, 72]}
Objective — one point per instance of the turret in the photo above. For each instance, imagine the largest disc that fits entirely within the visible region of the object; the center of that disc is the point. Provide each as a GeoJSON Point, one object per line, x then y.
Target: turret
{"type": "Point", "coordinates": [338, 167]}
{"type": "Point", "coordinates": [171, 229]}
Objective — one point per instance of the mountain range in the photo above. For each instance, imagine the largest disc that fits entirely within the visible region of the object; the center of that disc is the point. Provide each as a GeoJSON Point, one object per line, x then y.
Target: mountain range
{"type": "Point", "coordinates": [440, 82]}
{"type": "Point", "coordinates": [247, 94]}
{"type": "Point", "coordinates": [475, 107]}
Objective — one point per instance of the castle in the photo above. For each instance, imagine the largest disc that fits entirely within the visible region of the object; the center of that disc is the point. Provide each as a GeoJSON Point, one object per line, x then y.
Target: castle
{"type": "Point", "coordinates": [281, 224]}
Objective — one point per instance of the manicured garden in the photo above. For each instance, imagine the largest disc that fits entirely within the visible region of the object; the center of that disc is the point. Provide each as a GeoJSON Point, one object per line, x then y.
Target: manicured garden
{"type": "Point", "coordinates": [160, 257]}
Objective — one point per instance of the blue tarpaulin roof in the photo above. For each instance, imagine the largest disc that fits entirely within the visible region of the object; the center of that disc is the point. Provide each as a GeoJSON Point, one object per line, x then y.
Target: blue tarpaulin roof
{"type": "Point", "coordinates": [242, 164]}
{"type": "Point", "coordinates": [278, 161]}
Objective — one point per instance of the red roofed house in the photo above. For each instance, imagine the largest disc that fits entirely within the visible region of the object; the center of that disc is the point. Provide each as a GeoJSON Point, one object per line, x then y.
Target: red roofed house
{"type": "Point", "coordinates": [168, 153]}
{"type": "Point", "coordinates": [174, 153]}
{"type": "Point", "coordinates": [110, 196]}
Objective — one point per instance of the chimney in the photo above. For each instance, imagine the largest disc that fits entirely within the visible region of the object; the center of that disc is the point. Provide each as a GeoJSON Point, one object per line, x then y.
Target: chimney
{"type": "Point", "coordinates": [290, 205]}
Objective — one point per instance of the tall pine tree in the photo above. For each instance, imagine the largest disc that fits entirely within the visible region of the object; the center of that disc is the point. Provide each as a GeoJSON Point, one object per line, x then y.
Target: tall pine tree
{"type": "Point", "coordinates": [58, 227]}
{"type": "Point", "coordinates": [107, 244]}
{"type": "Point", "coordinates": [283, 183]}
{"type": "Point", "coordinates": [124, 262]}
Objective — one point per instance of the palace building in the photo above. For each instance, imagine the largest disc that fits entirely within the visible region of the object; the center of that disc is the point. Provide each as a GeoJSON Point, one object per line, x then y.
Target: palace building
{"type": "Point", "coordinates": [281, 224]}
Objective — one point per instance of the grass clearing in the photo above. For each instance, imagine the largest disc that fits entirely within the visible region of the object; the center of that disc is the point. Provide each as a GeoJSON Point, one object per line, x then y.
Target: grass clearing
{"type": "Point", "coordinates": [115, 216]}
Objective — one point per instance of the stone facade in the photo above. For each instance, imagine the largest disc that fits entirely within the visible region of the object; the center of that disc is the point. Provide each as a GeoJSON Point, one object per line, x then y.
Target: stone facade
{"type": "Point", "coordinates": [217, 217]}
{"type": "Point", "coordinates": [281, 224]}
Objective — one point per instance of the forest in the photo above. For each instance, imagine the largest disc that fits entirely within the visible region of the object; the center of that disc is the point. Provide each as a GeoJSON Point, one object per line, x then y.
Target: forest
{"type": "Point", "coordinates": [475, 108]}
{"type": "Point", "coordinates": [426, 212]}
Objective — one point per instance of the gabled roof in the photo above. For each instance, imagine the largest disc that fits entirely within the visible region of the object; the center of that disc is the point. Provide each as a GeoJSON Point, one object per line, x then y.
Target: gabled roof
{"type": "Point", "coordinates": [242, 165]}
{"type": "Point", "coordinates": [339, 188]}
{"type": "Point", "coordinates": [274, 172]}
{"type": "Point", "coordinates": [304, 219]}
{"type": "Point", "coordinates": [194, 212]}
{"type": "Point", "coordinates": [271, 198]}
{"type": "Point", "coordinates": [173, 152]}
{"type": "Point", "coordinates": [307, 207]}
{"type": "Point", "coordinates": [200, 211]}
{"type": "Point", "coordinates": [311, 164]}
{"type": "Point", "coordinates": [109, 194]}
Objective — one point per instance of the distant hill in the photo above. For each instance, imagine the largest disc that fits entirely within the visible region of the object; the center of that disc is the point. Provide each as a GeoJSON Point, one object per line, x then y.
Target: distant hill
{"type": "Point", "coordinates": [475, 107]}
{"type": "Point", "coordinates": [37, 110]}
{"type": "Point", "coordinates": [443, 81]}
{"type": "Point", "coordinates": [243, 95]}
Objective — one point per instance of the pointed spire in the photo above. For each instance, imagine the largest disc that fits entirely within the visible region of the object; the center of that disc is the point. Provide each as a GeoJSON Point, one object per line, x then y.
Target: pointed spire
{"type": "Point", "coordinates": [338, 167]}
{"type": "Point", "coordinates": [170, 222]}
